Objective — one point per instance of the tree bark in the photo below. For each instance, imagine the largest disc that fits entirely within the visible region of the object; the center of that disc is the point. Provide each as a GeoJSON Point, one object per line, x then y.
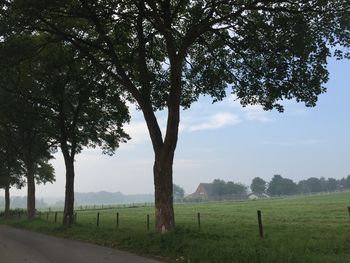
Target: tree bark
{"type": "Point", "coordinates": [7, 201]}
{"type": "Point", "coordinates": [30, 191]}
{"type": "Point", "coordinates": [163, 184]}
{"type": "Point", "coordinates": [68, 214]}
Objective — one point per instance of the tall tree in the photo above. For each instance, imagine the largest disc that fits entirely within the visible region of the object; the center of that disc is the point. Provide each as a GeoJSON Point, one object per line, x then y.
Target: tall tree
{"type": "Point", "coordinates": [228, 189]}
{"type": "Point", "coordinates": [165, 54]}
{"type": "Point", "coordinates": [233, 189]}
{"type": "Point", "coordinates": [219, 187]}
{"type": "Point", "coordinates": [315, 185]}
{"type": "Point", "coordinates": [331, 185]}
{"type": "Point", "coordinates": [71, 98]}
{"type": "Point", "coordinates": [258, 186]}
{"type": "Point", "coordinates": [11, 169]}
{"type": "Point", "coordinates": [281, 186]}
{"type": "Point", "coordinates": [83, 112]}
{"type": "Point", "coordinates": [28, 118]}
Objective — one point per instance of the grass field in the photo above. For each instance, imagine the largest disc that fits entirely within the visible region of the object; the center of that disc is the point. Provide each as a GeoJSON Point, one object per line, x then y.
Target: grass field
{"type": "Point", "coordinates": [297, 230]}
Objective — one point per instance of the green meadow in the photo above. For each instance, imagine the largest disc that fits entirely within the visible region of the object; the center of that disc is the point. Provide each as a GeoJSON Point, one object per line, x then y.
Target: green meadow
{"type": "Point", "coordinates": [303, 229]}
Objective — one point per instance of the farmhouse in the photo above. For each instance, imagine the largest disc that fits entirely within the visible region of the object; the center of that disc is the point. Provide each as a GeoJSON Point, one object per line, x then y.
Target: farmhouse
{"type": "Point", "coordinates": [203, 192]}
{"type": "Point", "coordinates": [206, 192]}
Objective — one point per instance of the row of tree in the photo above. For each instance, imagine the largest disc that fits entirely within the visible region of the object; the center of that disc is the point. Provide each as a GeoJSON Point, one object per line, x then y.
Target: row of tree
{"type": "Point", "coordinates": [71, 66]}
{"type": "Point", "coordinates": [284, 186]}
{"type": "Point", "coordinates": [25, 149]}
{"type": "Point", "coordinates": [52, 97]}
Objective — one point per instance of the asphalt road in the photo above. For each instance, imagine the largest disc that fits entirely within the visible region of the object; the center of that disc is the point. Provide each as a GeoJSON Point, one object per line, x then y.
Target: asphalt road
{"type": "Point", "coordinates": [22, 246]}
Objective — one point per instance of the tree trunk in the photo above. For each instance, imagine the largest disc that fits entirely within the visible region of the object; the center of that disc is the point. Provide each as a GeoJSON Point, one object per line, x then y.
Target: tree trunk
{"type": "Point", "coordinates": [164, 152]}
{"type": "Point", "coordinates": [30, 191]}
{"type": "Point", "coordinates": [68, 214]}
{"type": "Point", "coordinates": [163, 184]}
{"type": "Point", "coordinates": [162, 170]}
{"type": "Point", "coordinates": [7, 201]}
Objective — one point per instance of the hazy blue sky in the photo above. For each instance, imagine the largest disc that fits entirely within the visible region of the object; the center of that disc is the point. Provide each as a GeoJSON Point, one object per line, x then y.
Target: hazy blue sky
{"type": "Point", "coordinates": [226, 141]}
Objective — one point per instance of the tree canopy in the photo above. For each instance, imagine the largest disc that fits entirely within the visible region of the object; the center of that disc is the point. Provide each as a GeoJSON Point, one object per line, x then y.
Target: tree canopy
{"type": "Point", "coordinates": [258, 186]}
{"type": "Point", "coordinates": [179, 193]}
{"type": "Point", "coordinates": [281, 186]}
{"type": "Point", "coordinates": [28, 125]}
{"type": "Point", "coordinates": [221, 188]}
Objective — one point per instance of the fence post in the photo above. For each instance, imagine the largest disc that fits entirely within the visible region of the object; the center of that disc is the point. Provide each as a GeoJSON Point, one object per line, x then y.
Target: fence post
{"type": "Point", "coordinates": [349, 210]}
{"type": "Point", "coordinates": [261, 230]}
{"type": "Point", "coordinates": [147, 222]}
{"type": "Point", "coordinates": [199, 219]}
{"type": "Point", "coordinates": [98, 219]}
{"type": "Point", "coordinates": [117, 223]}
{"type": "Point", "coordinates": [55, 217]}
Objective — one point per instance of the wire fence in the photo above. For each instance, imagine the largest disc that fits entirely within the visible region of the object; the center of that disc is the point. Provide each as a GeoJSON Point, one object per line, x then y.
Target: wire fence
{"type": "Point", "coordinates": [143, 218]}
{"type": "Point", "coordinates": [259, 217]}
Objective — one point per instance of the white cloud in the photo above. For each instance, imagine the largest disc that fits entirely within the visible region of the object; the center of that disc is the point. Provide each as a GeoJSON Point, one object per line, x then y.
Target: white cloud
{"type": "Point", "coordinates": [249, 112]}
{"type": "Point", "coordinates": [216, 121]}
{"type": "Point", "coordinates": [198, 118]}
{"type": "Point", "coordinates": [311, 141]}
{"type": "Point", "coordinates": [256, 113]}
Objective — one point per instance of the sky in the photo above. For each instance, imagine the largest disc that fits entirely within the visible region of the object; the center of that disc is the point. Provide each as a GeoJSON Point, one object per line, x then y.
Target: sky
{"type": "Point", "coordinates": [226, 141]}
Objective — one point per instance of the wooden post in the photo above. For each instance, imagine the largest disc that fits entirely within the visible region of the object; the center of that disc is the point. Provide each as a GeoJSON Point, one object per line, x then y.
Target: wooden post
{"type": "Point", "coordinates": [117, 219]}
{"type": "Point", "coordinates": [199, 219]}
{"type": "Point", "coordinates": [147, 222]}
{"type": "Point", "coordinates": [261, 230]}
{"type": "Point", "coordinates": [55, 217]}
{"type": "Point", "coordinates": [349, 210]}
{"type": "Point", "coordinates": [98, 219]}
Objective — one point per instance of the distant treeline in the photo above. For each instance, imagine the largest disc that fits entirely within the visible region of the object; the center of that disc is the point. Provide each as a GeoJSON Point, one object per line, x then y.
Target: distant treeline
{"type": "Point", "coordinates": [103, 197]}
{"type": "Point", "coordinates": [222, 188]}
{"type": "Point", "coordinates": [21, 202]}
{"type": "Point", "coordinates": [285, 186]}
{"type": "Point", "coordinates": [92, 198]}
